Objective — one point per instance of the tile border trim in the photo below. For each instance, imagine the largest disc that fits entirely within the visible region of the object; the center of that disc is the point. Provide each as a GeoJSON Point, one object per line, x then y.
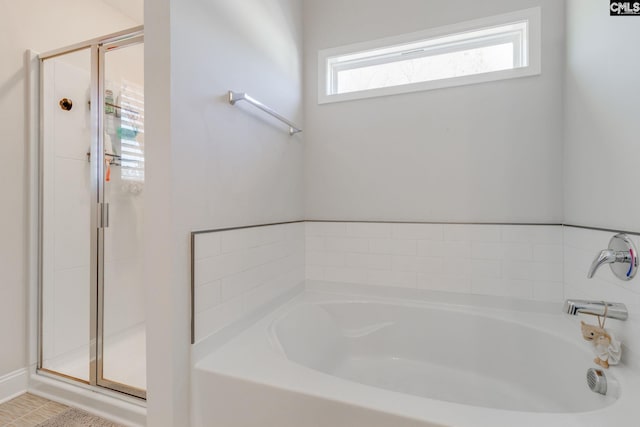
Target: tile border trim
{"type": "Point", "coordinates": [609, 230]}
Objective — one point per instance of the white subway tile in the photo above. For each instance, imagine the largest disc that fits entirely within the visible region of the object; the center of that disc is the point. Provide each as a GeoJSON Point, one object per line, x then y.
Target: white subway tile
{"type": "Point", "coordinates": [267, 253]}
{"type": "Point", "coordinates": [347, 275]}
{"type": "Point", "coordinates": [272, 270]}
{"type": "Point", "coordinates": [447, 284]}
{"type": "Point", "coordinates": [314, 258]}
{"type": "Point", "coordinates": [207, 296]}
{"type": "Point", "coordinates": [630, 287]}
{"type": "Point", "coordinates": [207, 245]}
{"type": "Point", "coordinates": [489, 269]}
{"type": "Point", "coordinates": [260, 255]}
{"type": "Point", "coordinates": [456, 267]}
{"type": "Point", "coordinates": [393, 246]}
{"type": "Point", "coordinates": [585, 290]}
{"type": "Point", "coordinates": [260, 296]}
{"type": "Point", "coordinates": [418, 231]}
{"type": "Point", "coordinates": [216, 318]}
{"type": "Point", "coordinates": [372, 229]}
{"type": "Point", "coordinates": [518, 270]}
{"type": "Point", "coordinates": [503, 251]}
{"type": "Point", "coordinates": [326, 229]}
{"type": "Point", "coordinates": [552, 254]}
{"type": "Point", "coordinates": [517, 251]}
{"type": "Point", "coordinates": [326, 259]}
{"type": "Point", "coordinates": [236, 240]}
{"type": "Point", "coordinates": [293, 261]}
{"type": "Point", "coordinates": [313, 272]}
{"type": "Point", "coordinates": [578, 258]}
{"type": "Point", "coordinates": [294, 231]}
{"type": "Point", "coordinates": [401, 279]}
{"type": "Point", "coordinates": [548, 291]}
{"type": "Point", "coordinates": [592, 240]}
{"type": "Point", "coordinates": [575, 276]}
{"type": "Point", "coordinates": [444, 249]}
{"type": "Point", "coordinates": [369, 261]}
{"type": "Point", "coordinates": [472, 232]}
{"type": "Point", "coordinates": [210, 269]}
{"type": "Point", "coordinates": [314, 244]}
{"type": "Point", "coordinates": [533, 271]}
{"type": "Point", "coordinates": [484, 250]}
{"type": "Point", "coordinates": [485, 286]}
{"type": "Point", "coordinates": [237, 284]}
{"type": "Point", "coordinates": [546, 234]}
{"type": "Point", "coordinates": [522, 289]}
{"type": "Point", "coordinates": [297, 259]}
{"type": "Point", "coordinates": [347, 244]}
{"type": "Point", "coordinates": [293, 278]}
{"type": "Point", "coordinates": [270, 234]}
{"type": "Point", "coordinates": [426, 265]}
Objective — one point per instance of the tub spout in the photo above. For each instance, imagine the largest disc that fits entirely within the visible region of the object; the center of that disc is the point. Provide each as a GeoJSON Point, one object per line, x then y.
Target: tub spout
{"type": "Point", "coordinates": [611, 310]}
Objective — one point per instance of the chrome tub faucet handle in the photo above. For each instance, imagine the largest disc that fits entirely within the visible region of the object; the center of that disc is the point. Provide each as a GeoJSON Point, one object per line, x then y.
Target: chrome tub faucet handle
{"type": "Point", "coordinates": [621, 256]}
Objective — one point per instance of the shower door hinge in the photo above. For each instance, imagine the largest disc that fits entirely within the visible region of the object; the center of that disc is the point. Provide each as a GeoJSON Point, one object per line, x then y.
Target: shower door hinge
{"type": "Point", "coordinates": [103, 215]}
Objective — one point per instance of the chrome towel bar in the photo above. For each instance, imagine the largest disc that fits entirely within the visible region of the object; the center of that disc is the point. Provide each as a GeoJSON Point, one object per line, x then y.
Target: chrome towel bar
{"type": "Point", "coordinates": [241, 96]}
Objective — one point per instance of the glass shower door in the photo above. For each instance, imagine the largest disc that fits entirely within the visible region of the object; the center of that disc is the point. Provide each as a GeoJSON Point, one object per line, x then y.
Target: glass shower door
{"type": "Point", "coordinates": [92, 321]}
{"type": "Point", "coordinates": [121, 317]}
{"type": "Point", "coordinates": [65, 212]}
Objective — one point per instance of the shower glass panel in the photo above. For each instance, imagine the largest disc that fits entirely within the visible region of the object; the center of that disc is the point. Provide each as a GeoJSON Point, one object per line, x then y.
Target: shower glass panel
{"type": "Point", "coordinates": [65, 212]}
{"type": "Point", "coordinates": [122, 365]}
{"type": "Point", "coordinates": [92, 321]}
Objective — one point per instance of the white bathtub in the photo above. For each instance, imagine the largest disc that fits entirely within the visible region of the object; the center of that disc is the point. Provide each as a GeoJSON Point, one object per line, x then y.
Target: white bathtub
{"type": "Point", "coordinates": [326, 359]}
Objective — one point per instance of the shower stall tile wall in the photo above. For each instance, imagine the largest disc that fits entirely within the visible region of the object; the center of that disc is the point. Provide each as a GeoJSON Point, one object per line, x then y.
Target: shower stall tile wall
{"type": "Point", "coordinates": [520, 261]}
{"type": "Point", "coordinates": [66, 222]}
{"type": "Point", "coordinates": [237, 271]}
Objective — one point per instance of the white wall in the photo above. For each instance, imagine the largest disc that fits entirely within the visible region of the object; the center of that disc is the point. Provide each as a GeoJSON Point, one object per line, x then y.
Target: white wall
{"type": "Point", "coordinates": [490, 152]}
{"type": "Point", "coordinates": [602, 126]}
{"type": "Point", "coordinates": [211, 165]}
{"type": "Point", "coordinates": [40, 25]}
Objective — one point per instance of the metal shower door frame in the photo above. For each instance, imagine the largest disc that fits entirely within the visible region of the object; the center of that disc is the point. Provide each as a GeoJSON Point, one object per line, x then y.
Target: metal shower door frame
{"type": "Point", "coordinates": [99, 208]}
{"type": "Point", "coordinates": [101, 217]}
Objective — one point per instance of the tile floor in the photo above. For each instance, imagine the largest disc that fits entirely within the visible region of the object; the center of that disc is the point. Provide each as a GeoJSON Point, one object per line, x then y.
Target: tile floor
{"type": "Point", "coordinates": [29, 410]}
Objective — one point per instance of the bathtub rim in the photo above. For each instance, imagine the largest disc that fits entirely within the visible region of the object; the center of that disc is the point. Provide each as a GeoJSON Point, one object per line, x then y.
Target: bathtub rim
{"type": "Point", "coordinates": [223, 363]}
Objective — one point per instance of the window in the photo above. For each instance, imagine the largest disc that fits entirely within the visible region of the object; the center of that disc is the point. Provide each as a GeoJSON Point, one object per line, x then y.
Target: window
{"type": "Point", "coordinates": [132, 132]}
{"type": "Point", "coordinates": [499, 47]}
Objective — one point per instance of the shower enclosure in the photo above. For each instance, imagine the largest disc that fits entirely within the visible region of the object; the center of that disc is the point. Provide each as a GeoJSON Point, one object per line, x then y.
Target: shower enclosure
{"type": "Point", "coordinates": [91, 186]}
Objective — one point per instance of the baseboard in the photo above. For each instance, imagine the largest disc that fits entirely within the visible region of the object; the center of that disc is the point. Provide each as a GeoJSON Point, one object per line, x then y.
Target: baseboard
{"type": "Point", "coordinates": [112, 406]}
{"type": "Point", "coordinates": [13, 384]}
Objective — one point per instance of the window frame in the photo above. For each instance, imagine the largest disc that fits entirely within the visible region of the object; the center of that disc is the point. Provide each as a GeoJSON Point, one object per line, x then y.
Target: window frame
{"type": "Point", "coordinates": [328, 66]}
